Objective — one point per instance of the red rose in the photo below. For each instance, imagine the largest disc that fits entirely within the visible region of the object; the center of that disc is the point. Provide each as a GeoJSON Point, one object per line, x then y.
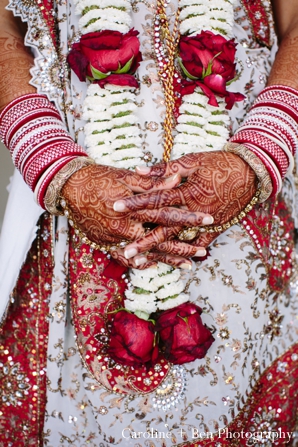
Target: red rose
{"type": "Point", "coordinates": [100, 54]}
{"type": "Point", "coordinates": [183, 336]}
{"type": "Point", "coordinates": [208, 60]}
{"type": "Point", "coordinates": [132, 340]}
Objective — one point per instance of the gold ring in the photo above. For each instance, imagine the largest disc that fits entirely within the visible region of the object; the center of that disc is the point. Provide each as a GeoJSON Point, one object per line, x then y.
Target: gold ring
{"type": "Point", "coordinates": [188, 234]}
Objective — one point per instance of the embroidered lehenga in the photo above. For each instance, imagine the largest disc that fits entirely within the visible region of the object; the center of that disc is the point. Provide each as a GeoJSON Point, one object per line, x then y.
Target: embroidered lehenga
{"type": "Point", "coordinates": [57, 388]}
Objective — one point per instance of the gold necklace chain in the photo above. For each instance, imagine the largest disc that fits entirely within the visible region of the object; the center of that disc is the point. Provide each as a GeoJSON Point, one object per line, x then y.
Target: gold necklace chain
{"type": "Point", "coordinates": [169, 41]}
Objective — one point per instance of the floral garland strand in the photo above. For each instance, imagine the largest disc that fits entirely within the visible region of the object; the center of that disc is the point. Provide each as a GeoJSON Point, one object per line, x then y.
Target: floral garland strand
{"type": "Point", "coordinates": [97, 15]}
{"type": "Point", "coordinates": [203, 120]}
{"type": "Point", "coordinates": [108, 55]}
{"type": "Point", "coordinates": [200, 127]}
{"type": "Point", "coordinates": [155, 289]}
{"type": "Point", "coordinates": [111, 133]}
{"type": "Point", "coordinates": [112, 126]}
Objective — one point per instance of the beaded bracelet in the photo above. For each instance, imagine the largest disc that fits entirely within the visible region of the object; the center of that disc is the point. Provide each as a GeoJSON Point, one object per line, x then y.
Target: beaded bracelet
{"type": "Point", "coordinates": [188, 234]}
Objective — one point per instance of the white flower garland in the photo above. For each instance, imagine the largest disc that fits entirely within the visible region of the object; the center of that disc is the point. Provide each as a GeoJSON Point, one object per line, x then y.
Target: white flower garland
{"type": "Point", "coordinates": [112, 136]}
{"type": "Point", "coordinates": [112, 133]}
{"type": "Point", "coordinates": [155, 289]}
{"type": "Point", "coordinates": [202, 127]}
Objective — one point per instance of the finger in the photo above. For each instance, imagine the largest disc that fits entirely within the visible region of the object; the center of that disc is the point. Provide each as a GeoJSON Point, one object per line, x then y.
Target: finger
{"type": "Point", "coordinates": [138, 262]}
{"type": "Point", "coordinates": [182, 249]}
{"type": "Point", "coordinates": [174, 261]}
{"type": "Point", "coordinates": [138, 183]}
{"type": "Point", "coordinates": [173, 216]}
{"type": "Point", "coordinates": [149, 201]}
{"type": "Point", "coordinates": [150, 240]}
{"type": "Point", "coordinates": [183, 166]}
{"type": "Point", "coordinates": [110, 230]}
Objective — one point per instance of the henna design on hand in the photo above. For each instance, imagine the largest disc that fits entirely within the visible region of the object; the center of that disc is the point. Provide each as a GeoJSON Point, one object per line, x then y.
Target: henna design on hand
{"type": "Point", "coordinates": [182, 249]}
{"type": "Point", "coordinates": [284, 70]}
{"type": "Point", "coordinates": [15, 63]}
{"type": "Point", "coordinates": [218, 183]}
{"type": "Point", "coordinates": [118, 255]}
{"type": "Point", "coordinates": [168, 216]}
{"type": "Point", "coordinates": [91, 193]}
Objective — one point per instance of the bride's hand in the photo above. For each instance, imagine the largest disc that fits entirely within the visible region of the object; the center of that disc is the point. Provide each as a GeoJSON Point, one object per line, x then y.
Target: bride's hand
{"type": "Point", "coordinates": [218, 183]}
{"type": "Point", "coordinates": [90, 194]}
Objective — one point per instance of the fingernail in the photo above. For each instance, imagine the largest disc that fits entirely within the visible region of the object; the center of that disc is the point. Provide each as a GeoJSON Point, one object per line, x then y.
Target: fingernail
{"type": "Point", "coordinates": [130, 253]}
{"type": "Point", "coordinates": [207, 220]}
{"type": "Point", "coordinates": [201, 252]}
{"type": "Point", "coordinates": [119, 206]}
{"type": "Point", "coordinates": [185, 266]}
{"type": "Point", "coordinates": [171, 179]}
{"type": "Point", "coordinates": [140, 261]}
{"type": "Point", "coordinates": [143, 169]}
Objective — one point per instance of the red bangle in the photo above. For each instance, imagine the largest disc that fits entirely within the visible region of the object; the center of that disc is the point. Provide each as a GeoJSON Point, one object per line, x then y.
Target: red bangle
{"type": "Point", "coordinates": [32, 129]}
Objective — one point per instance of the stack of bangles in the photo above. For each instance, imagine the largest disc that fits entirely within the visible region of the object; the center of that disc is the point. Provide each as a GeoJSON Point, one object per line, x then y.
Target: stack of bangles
{"type": "Point", "coordinates": [40, 146]}
{"type": "Point", "coordinates": [270, 132]}
{"type": "Point", "coordinates": [46, 155]}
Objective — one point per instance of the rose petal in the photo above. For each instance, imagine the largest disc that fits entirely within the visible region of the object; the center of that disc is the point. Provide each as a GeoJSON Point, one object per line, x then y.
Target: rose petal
{"type": "Point", "coordinates": [231, 98]}
{"type": "Point", "coordinates": [187, 88]}
{"type": "Point", "coordinates": [129, 47]}
{"type": "Point", "coordinates": [101, 40]}
{"type": "Point", "coordinates": [121, 79]}
{"type": "Point", "coordinates": [78, 63]}
{"type": "Point", "coordinates": [208, 92]}
{"type": "Point", "coordinates": [132, 340]}
{"type": "Point", "coordinates": [216, 83]}
{"type": "Point", "coordinates": [183, 336]}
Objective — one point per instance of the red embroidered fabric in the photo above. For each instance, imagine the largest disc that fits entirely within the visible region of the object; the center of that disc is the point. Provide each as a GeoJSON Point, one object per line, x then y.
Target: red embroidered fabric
{"type": "Point", "coordinates": [271, 228]}
{"type": "Point", "coordinates": [23, 348]}
{"type": "Point", "coordinates": [97, 291]}
{"type": "Point", "coordinates": [258, 17]}
{"type": "Point", "coordinates": [271, 406]}
{"type": "Point", "coordinates": [47, 10]}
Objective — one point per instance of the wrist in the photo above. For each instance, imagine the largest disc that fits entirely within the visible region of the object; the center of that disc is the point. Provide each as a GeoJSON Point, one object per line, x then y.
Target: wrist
{"type": "Point", "coordinates": [270, 131]}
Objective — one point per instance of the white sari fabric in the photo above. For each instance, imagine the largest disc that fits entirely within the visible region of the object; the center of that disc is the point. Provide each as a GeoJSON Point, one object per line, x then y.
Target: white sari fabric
{"type": "Point", "coordinates": [231, 285]}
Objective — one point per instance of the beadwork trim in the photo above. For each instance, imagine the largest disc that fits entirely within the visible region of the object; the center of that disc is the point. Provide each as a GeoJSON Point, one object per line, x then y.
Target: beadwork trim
{"type": "Point", "coordinates": [40, 37]}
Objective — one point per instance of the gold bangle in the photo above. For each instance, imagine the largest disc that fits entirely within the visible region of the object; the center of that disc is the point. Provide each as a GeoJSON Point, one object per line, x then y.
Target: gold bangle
{"type": "Point", "coordinates": [52, 196]}
{"type": "Point", "coordinates": [188, 234]}
{"type": "Point", "coordinates": [265, 183]}
{"type": "Point", "coordinates": [83, 237]}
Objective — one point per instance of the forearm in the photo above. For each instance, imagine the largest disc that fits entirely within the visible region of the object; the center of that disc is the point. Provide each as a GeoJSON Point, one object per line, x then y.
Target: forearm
{"type": "Point", "coordinates": [284, 70]}
{"type": "Point", "coordinates": [15, 59]}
